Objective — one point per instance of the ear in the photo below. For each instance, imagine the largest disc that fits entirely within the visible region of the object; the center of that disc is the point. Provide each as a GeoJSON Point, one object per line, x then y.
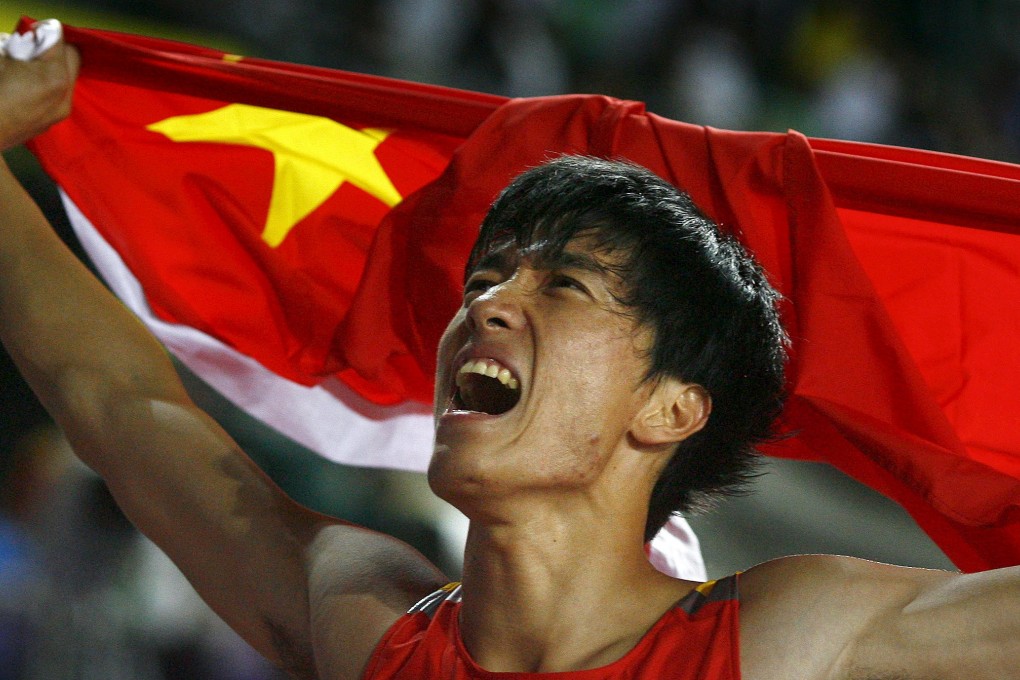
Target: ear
{"type": "Point", "coordinates": [675, 411]}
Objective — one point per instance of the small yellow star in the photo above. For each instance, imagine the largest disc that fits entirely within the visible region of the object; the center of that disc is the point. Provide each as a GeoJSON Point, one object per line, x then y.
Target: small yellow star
{"type": "Point", "coordinates": [312, 156]}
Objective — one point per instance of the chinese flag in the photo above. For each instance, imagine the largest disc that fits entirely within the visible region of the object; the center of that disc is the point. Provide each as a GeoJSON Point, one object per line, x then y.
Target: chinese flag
{"type": "Point", "coordinates": [297, 237]}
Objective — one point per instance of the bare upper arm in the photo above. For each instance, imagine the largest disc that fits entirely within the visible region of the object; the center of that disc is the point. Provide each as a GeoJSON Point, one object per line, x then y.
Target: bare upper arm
{"type": "Point", "coordinates": [810, 616]}
{"type": "Point", "coordinates": [360, 582]}
{"type": "Point", "coordinates": [313, 594]}
{"type": "Point", "coordinates": [838, 617]}
{"type": "Point", "coordinates": [964, 626]}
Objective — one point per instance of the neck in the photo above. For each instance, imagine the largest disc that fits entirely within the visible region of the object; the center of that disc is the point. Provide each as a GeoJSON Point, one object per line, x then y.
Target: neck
{"type": "Point", "coordinates": [540, 591]}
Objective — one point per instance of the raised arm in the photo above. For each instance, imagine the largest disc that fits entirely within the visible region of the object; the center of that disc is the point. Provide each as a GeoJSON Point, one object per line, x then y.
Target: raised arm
{"type": "Point", "coordinates": [964, 626]}
{"type": "Point", "coordinates": [311, 593]}
{"type": "Point", "coordinates": [823, 616]}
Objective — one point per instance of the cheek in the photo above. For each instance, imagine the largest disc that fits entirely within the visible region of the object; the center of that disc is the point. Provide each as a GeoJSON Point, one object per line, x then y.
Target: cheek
{"type": "Point", "coordinates": [599, 385]}
{"type": "Point", "coordinates": [578, 460]}
{"type": "Point", "coordinates": [451, 341]}
{"type": "Point", "coordinates": [448, 341]}
{"type": "Point", "coordinates": [585, 433]}
{"type": "Point", "coordinates": [604, 367]}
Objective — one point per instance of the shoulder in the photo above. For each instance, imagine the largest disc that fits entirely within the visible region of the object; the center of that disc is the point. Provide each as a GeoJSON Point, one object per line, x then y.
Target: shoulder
{"type": "Point", "coordinates": [832, 578]}
{"type": "Point", "coordinates": [360, 583]}
{"type": "Point", "coordinates": [812, 611]}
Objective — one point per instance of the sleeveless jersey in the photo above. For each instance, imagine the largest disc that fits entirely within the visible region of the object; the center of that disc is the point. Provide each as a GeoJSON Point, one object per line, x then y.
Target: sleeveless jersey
{"type": "Point", "coordinates": [697, 639]}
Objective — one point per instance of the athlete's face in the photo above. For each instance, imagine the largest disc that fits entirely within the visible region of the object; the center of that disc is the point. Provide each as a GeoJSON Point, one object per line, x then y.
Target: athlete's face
{"type": "Point", "coordinates": [563, 364]}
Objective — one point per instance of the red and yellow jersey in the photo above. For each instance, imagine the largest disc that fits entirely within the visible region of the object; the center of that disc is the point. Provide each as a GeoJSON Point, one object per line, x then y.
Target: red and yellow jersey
{"type": "Point", "coordinates": [698, 639]}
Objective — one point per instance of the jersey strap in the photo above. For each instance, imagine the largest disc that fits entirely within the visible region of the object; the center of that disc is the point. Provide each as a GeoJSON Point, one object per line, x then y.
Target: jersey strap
{"type": "Point", "coordinates": [428, 605]}
{"type": "Point", "coordinates": [710, 591]}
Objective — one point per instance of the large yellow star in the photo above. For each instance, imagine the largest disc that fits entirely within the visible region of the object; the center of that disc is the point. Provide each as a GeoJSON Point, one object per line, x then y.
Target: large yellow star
{"type": "Point", "coordinates": [312, 156]}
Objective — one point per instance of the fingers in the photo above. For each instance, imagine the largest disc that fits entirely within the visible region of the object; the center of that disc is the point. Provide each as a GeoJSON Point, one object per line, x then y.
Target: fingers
{"type": "Point", "coordinates": [72, 60]}
{"type": "Point", "coordinates": [59, 66]}
{"type": "Point", "coordinates": [36, 94]}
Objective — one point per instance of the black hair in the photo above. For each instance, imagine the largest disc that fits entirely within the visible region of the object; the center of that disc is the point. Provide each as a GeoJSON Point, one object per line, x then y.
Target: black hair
{"type": "Point", "coordinates": [714, 313]}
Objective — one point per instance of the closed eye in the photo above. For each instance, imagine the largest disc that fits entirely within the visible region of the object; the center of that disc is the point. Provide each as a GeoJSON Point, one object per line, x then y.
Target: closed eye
{"type": "Point", "coordinates": [563, 281]}
{"type": "Point", "coordinates": [478, 284]}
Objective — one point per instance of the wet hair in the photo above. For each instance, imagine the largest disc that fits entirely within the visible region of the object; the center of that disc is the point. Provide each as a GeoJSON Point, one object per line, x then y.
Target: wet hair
{"type": "Point", "coordinates": [712, 310]}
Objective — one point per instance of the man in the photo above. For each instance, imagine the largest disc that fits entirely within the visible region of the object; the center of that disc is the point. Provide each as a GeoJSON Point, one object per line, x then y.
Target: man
{"type": "Point", "coordinates": [632, 358]}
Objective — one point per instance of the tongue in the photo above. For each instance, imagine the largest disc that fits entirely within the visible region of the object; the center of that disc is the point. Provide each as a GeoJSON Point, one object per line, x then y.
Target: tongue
{"type": "Point", "coordinates": [487, 395]}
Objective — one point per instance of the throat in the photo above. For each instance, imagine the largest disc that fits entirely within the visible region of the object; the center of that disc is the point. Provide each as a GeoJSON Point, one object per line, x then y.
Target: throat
{"type": "Point", "coordinates": [555, 633]}
{"type": "Point", "coordinates": [529, 605]}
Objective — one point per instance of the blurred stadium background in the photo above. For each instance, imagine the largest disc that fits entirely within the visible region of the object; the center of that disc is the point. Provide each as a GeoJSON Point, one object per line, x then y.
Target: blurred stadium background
{"type": "Point", "coordinates": [82, 596]}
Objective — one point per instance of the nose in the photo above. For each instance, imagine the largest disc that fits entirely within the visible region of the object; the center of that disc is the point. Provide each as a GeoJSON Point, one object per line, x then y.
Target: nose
{"type": "Point", "coordinates": [498, 308]}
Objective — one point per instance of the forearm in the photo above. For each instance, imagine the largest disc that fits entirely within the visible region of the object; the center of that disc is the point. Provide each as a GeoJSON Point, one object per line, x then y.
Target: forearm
{"type": "Point", "coordinates": [76, 345]}
{"type": "Point", "coordinates": [174, 472]}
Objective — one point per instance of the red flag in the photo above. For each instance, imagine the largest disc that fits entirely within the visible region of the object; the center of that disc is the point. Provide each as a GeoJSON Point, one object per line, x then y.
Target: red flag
{"type": "Point", "coordinates": [251, 271]}
{"type": "Point", "coordinates": [900, 267]}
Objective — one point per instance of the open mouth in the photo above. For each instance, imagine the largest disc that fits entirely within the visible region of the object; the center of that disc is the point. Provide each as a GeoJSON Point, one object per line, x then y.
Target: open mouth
{"type": "Point", "coordinates": [485, 386]}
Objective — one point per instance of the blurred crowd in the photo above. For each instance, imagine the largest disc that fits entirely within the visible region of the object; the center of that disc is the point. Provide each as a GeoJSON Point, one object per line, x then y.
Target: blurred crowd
{"type": "Point", "coordinates": [934, 74]}
{"type": "Point", "coordinates": [83, 595]}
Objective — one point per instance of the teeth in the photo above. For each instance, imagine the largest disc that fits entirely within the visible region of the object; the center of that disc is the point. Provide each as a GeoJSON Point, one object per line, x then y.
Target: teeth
{"type": "Point", "coordinates": [490, 368]}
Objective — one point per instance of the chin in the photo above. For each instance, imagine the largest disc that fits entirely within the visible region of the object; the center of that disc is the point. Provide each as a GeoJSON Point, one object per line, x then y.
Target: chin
{"type": "Point", "coordinates": [457, 474]}
{"type": "Point", "coordinates": [446, 483]}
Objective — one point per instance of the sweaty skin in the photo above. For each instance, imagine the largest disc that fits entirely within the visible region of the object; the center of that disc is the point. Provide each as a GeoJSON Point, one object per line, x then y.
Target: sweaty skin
{"type": "Point", "coordinates": [556, 487]}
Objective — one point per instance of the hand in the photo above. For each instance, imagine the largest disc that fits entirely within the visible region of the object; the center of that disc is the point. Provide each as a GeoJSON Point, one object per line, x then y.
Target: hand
{"type": "Point", "coordinates": [35, 94]}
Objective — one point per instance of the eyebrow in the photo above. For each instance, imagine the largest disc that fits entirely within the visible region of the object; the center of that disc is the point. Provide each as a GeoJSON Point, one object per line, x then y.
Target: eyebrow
{"type": "Point", "coordinates": [495, 259]}
{"type": "Point", "coordinates": [570, 260]}
{"type": "Point", "coordinates": [499, 258]}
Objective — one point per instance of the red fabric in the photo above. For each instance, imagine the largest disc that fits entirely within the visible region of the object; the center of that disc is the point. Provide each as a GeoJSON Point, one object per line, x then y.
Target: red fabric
{"type": "Point", "coordinates": [901, 268]}
{"type": "Point", "coordinates": [704, 645]}
{"type": "Point", "coordinates": [282, 306]}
